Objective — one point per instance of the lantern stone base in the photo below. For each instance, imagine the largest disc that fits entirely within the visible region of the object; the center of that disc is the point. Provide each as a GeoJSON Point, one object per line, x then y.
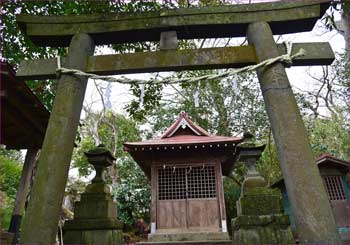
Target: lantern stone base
{"type": "Point", "coordinates": [190, 237]}
{"type": "Point", "coordinates": [94, 221]}
{"type": "Point", "coordinates": [95, 215]}
{"type": "Point", "coordinates": [260, 220]}
{"type": "Point", "coordinates": [93, 237]}
{"type": "Point", "coordinates": [262, 229]}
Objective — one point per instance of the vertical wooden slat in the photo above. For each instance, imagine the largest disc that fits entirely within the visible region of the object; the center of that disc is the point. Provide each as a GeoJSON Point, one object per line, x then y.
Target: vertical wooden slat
{"type": "Point", "coordinates": [154, 188]}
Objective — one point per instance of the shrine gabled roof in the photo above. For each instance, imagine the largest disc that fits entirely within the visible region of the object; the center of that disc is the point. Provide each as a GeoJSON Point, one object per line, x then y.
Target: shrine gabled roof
{"type": "Point", "coordinates": [327, 158]}
{"type": "Point", "coordinates": [183, 132]}
{"type": "Point", "coordinates": [23, 117]}
{"type": "Point", "coordinates": [186, 140]}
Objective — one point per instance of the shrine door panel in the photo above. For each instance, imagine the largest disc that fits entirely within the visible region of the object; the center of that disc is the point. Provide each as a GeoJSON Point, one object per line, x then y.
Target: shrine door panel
{"type": "Point", "coordinates": [336, 193]}
{"type": "Point", "coordinates": [187, 198]}
{"type": "Point", "coordinates": [171, 207]}
{"type": "Point", "coordinates": [202, 202]}
{"type": "Point", "coordinates": [203, 214]}
{"type": "Point", "coordinates": [171, 214]}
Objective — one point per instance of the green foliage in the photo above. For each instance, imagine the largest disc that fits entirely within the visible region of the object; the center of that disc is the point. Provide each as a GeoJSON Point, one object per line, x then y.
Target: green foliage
{"type": "Point", "coordinates": [342, 74]}
{"type": "Point", "coordinates": [330, 136]}
{"type": "Point", "coordinates": [10, 173]}
{"type": "Point", "coordinates": [110, 129]}
{"type": "Point", "coordinates": [13, 155]}
{"type": "Point", "coordinates": [268, 165]}
{"type": "Point", "coordinates": [131, 189]}
{"type": "Point", "coordinates": [16, 46]}
{"type": "Point", "coordinates": [79, 159]}
{"type": "Point", "coordinates": [231, 193]}
{"type": "Point", "coordinates": [133, 192]}
{"type": "Point", "coordinates": [6, 209]}
{"type": "Point", "coordinates": [225, 107]}
{"type": "Point", "coordinates": [151, 97]}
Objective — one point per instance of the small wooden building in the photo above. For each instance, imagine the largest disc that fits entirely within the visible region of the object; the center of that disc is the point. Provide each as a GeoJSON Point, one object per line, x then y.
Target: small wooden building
{"type": "Point", "coordinates": [336, 176]}
{"type": "Point", "coordinates": [185, 166]}
{"type": "Point", "coordinates": [23, 122]}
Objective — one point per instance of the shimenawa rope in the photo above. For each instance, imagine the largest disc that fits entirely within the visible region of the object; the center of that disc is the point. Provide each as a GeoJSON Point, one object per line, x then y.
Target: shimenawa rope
{"type": "Point", "coordinates": [285, 58]}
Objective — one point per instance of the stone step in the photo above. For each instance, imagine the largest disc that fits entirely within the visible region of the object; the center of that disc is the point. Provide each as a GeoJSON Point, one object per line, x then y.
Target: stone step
{"type": "Point", "coordinates": [203, 237]}
{"type": "Point", "coordinates": [189, 242]}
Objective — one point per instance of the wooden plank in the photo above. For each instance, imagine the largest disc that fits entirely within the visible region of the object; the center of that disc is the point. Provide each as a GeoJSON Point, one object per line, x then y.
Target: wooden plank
{"type": "Point", "coordinates": [189, 23]}
{"type": "Point", "coordinates": [203, 213]}
{"type": "Point", "coordinates": [175, 60]}
{"type": "Point", "coordinates": [154, 189]}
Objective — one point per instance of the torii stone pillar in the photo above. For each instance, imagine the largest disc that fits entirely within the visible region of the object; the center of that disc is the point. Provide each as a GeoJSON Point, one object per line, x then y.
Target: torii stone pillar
{"type": "Point", "coordinates": [310, 205]}
{"type": "Point", "coordinates": [41, 219]}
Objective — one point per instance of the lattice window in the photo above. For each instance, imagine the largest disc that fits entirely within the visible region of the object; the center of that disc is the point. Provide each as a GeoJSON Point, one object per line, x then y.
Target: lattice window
{"type": "Point", "coordinates": [186, 182]}
{"type": "Point", "coordinates": [201, 182]}
{"type": "Point", "coordinates": [171, 183]}
{"type": "Point", "coordinates": [334, 187]}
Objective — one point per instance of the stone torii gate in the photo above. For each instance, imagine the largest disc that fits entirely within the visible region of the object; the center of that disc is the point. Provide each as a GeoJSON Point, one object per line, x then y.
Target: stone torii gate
{"type": "Point", "coordinates": [259, 22]}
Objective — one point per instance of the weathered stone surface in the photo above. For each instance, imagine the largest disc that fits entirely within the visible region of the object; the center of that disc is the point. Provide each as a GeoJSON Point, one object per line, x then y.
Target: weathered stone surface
{"type": "Point", "coordinates": [102, 237]}
{"type": "Point", "coordinates": [41, 219]}
{"type": "Point", "coordinates": [94, 206]}
{"type": "Point", "coordinates": [95, 214]}
{"type": "Point", "coordinates": [314, 225]}
{"type": "Point", "coordinates": [252, 183]}
{"type": "Point", "coordinates": [259, 205]}
{"type": "Point", "coordinates": [93, 224]}
{"type": "Point", "coordinates": [260, 220]}
{"type": "Point", "coordinates": [98, 188]}
{"type": "Point", "coordinates": [175, 60]}
{"type": "Point", "coordinates": [189, 23]}
{"type": "Point", "coordinates": [251, 221]}
{"type": "Point", "coordinates": [189, 236]}
{"type": "Point", "coordinates": [263, 235]}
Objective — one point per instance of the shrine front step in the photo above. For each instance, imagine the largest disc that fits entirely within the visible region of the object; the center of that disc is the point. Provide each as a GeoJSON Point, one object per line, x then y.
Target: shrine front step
{"type": "Point", "coordinates": [189, 238]}
{"type": "Point", "coordinates": [188, 242]}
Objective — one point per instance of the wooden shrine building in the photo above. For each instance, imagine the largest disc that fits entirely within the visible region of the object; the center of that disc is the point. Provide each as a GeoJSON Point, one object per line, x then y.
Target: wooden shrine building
{"type": "Point", "coordinates": [336, 178]}
{"type": "Point", "coordinates": [185, 166]}
{"type": "Point", "coordinates": [23, 124]}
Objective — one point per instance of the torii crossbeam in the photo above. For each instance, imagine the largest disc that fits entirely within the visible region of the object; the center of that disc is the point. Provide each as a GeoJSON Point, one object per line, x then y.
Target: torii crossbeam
{"type": "Point", "coordinates": [256, 21]}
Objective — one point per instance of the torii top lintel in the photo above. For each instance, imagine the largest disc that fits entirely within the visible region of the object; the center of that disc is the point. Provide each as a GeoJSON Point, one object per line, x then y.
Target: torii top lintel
{"type": "Point", "coordinates": [190, 23]}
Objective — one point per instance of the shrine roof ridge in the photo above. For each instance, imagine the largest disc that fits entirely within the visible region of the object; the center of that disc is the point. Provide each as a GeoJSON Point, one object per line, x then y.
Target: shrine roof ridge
{"type": "Point", "coordinates": [184, 132]}
{"type": "Point", "coordinates": [187, 140]}
{"type": "Point", "coordinates": [189, 23]}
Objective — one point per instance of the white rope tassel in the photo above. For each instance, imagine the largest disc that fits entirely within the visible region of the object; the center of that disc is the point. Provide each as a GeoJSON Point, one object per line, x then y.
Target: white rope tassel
{"type": "Point", "coordinates": [142, 94]}
{"type": "Point", "coordinates": [285, 58]}
{"type": "Point", "coordinates": [58, 62]}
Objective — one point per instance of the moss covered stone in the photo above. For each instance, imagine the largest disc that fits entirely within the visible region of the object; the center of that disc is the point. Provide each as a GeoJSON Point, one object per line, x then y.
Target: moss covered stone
{"type": "Point", "coordinates": [259, 205]}
{"type": "Point", "coordinates": [95, 215]}
{"type": "Point", "coordinates": [260, 220]}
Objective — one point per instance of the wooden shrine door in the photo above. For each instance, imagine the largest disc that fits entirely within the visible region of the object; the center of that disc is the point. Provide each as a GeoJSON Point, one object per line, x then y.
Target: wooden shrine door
{"type": "Point", "coordinates": [187, 198]}
{"type": "Point", "coordinates": [336, 189]}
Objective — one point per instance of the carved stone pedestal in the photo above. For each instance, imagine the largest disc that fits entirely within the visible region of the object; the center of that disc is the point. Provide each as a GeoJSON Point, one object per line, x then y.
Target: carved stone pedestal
{"type": "Point", "coordinates": [95, 215]}
{"type": "Point", "coordinates": [260, 219]}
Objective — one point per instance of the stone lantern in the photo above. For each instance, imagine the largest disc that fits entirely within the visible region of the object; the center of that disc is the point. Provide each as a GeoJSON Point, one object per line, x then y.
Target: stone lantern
{"type": "Point", "coordinates": [95, 215]}
{"type": "Point", "coordinates": [259, 213]}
